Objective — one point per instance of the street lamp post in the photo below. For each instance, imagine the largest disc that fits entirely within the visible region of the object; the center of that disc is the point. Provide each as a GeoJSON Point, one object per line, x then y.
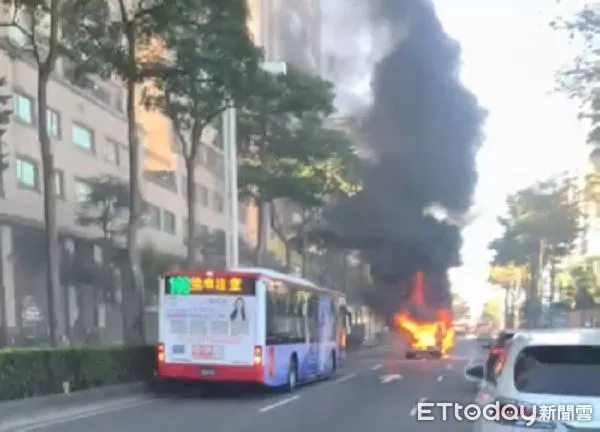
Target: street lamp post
{"type": "Point", "coordinates": [230, 167]}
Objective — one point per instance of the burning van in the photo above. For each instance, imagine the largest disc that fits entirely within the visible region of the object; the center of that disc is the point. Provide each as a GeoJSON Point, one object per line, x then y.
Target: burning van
{"type": "Point", "coordinates": [428, 326]}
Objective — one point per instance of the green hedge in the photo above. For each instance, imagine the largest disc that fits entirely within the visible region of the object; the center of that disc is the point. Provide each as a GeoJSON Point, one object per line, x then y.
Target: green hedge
{"type": "Point", "coordinates": [38, 372]}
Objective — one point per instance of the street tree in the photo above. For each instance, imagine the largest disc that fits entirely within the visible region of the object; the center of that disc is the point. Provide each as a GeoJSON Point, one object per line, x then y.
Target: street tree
{"type": "Point", "coordinates": [540, 227]}
{"type": "Point", "coordinates": [5, 113]}
{"type": "Point", "coordinates": [212, 65]}
{"type": "Point", "coordinates": [580, 79]}
{"type": "Point", "coordinates": [283, 153]}
{"type": "Point", "coordinates": [42, 25]}
{"type": "Point", "coordinates": [125, 40]}
{"type": "Point", "coordinates": [580, 285]}
{"type": "Point", "coordinates": [326, 174]}
{"type": "Point", "coordinates": [106, 207]}
{"type": "Point", "coordinates": [154, 263]}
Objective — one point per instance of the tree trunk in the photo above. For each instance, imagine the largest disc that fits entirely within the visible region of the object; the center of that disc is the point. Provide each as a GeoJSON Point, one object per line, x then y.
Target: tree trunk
{"type": "Point", "coordinates": [304, 244]}
{"type": "Point", "coordinates": [552, 279]}
{"type": "Point", "coordinates": [133, 313]}
{"type": "Point", "coordinates": [261, 242]}
{"type": "Point", "coordinates": [507, 308]}
{"type": "Point", "coordinates": [56, 318]}
{"type": "Point", "coordinates": [190, 167]}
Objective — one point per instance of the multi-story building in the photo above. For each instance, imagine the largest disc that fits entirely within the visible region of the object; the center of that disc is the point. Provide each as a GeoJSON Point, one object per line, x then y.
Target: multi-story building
{"type": "Point", "coordinates": [88, 129]}
{"type": "Point", "coordinates": [288, 31]}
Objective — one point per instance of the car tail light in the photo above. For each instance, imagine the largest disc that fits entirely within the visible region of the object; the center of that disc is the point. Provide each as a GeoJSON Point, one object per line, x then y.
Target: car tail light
{"type": "Point", "coordinates": [160, 353]}
{"type": "Point", "coordinates": [520, 414]}
{"type": "Point", "coordinates": [258, 355]}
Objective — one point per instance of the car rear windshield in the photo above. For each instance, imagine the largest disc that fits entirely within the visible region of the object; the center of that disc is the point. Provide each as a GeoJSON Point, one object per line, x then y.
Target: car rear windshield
{"type": "Point", "coordinates": [572, 370]}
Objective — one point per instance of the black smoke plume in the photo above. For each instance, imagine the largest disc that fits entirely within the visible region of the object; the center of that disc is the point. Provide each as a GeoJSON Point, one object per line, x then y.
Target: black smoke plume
{"type": "Point", "coordinates": [424, 129]}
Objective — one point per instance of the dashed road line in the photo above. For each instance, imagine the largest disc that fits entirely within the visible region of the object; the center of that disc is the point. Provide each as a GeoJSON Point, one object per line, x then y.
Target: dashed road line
{"type": "Point", "coordinates": [345, 378]}
{"type": "Point", "coordinates": [376, 367]}
{"type": "Point", "coordinates": [440, 378]}
{"type": "Point", "coordinates": [278, 404]}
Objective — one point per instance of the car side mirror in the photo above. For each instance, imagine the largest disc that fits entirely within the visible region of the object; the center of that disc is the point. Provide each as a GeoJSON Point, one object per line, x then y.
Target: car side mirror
{"type": "Point", "coordinates": [474, 373]}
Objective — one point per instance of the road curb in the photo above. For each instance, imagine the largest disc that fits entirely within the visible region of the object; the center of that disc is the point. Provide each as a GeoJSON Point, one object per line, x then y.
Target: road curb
{"type": "Point", "coordinates": [21, 407]}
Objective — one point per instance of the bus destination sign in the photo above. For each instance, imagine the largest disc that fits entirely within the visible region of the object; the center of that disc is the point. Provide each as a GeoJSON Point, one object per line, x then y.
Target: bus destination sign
{"type": "Point", "coordinates": [181, 285]}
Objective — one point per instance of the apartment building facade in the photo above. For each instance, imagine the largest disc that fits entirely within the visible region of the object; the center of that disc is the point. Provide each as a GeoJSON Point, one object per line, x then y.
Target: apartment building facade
{"type": "Point", "coordinates": [88, 130]}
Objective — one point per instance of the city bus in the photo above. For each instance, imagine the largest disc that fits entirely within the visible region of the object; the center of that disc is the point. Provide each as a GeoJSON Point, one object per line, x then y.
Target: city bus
{"type": "Point", "coordinates": [250, 326]}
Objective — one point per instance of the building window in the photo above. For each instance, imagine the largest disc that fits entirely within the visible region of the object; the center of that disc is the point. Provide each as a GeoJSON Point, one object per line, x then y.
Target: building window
{"type": "Point", "coordinates": [53, 123]}
{"type": "Point", "coordinates": [202, 195]}
{"type": "Point", "coordinates": [83, 137]}
{"type": "Point", "coordinates": [23, 108]}
{"type": "Point", "coordinates": [59, 183]}
{"type": "Point", "coordinates": [82, 191]}
{"type": "Point", "coordinates": [169, 222]}
{"type": "Point", "coordinates": [154, 218]}
{"type": "Point", "coordinates": [28, 174]}
{"type": "Point", "coordinates": [113, 152]}
{"type": "Point", "coordinates": [217, 202]}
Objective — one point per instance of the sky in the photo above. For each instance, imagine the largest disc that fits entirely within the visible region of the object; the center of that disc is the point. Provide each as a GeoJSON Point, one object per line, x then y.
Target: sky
{"type": "Point", "coordinates": [509, 59]}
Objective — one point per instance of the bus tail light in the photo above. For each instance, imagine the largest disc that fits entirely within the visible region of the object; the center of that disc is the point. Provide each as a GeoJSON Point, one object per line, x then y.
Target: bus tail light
{"type": "Point", "coordinates": [160, 353]}
{"type": "Point", "coordinates": [258, 355]}
{"type": "Point", "coordinates": [343, 339]}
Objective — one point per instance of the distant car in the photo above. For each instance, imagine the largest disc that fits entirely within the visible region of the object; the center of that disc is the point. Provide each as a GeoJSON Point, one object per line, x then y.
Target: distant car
{"type": "Point", "coordinates": [554, 368]}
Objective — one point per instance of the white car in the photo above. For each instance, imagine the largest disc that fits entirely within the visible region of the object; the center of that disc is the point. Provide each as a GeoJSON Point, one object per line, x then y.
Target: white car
{"type": "Point", "coordinates": [546, 380]}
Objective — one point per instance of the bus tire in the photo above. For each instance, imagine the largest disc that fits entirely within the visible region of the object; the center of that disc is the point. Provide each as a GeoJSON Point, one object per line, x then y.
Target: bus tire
{"type": "Point", "coordinates": [292, 379]}
{"type": "Point", "coordinates": [333, 363]}
{"type": "Point", "coordinates": [331, 368]}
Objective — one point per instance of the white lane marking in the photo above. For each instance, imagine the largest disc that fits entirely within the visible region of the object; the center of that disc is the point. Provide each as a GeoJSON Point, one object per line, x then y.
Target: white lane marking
{"type": "Point", "coordinates": [414, 410]}
{"type": "Point", "coordinates": [440, 378]}
{"type": "Point", "coordinates": [278, 404]}
{"type": "Point", "coordinates": [377, 366]}
{"type": "Point", "coordinates": [389, 378]}
{"type": "Point", "coordinates": [449, 366]}
{"type": "Point", "coordinates": [84, 415]}
{"type": "Point", "coordinates": [345, 378]}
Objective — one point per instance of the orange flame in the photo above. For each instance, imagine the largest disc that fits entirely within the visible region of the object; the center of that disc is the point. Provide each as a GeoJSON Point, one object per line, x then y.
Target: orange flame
{"type": "Point", "coordinates": [428, 334]}
{"type": "Point", "coordinates": [417, 294]}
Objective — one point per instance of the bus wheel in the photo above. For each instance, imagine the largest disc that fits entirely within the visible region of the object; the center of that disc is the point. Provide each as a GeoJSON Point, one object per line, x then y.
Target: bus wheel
{"type": "Point", "coordinates": [292, 381]}
{"type": "Point", "coordinates": [333, 363]}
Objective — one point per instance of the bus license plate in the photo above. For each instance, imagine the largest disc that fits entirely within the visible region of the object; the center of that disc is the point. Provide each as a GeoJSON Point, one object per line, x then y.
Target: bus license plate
{"type": "Point", "coordinates": [207, 372]}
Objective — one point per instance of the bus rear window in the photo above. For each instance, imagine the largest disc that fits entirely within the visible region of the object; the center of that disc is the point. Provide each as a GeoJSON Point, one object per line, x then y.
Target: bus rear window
{"type": "Point", "coordinates": [228, 284]}
{"type": "Point", "coordinates": [565, 370]}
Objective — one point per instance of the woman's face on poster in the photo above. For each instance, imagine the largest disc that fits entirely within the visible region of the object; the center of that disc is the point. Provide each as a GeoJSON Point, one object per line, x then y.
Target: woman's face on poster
{"type": "Point", "coordinates": [239, 304]}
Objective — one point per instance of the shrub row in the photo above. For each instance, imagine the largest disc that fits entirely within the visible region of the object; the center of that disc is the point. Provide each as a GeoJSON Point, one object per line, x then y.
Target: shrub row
{"type": "Point", "coordinates": [38, 372]}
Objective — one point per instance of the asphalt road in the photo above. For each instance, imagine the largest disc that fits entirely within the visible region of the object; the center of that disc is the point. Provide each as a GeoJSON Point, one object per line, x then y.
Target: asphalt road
{"type": "Point", "coordinates": [377, 390]}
